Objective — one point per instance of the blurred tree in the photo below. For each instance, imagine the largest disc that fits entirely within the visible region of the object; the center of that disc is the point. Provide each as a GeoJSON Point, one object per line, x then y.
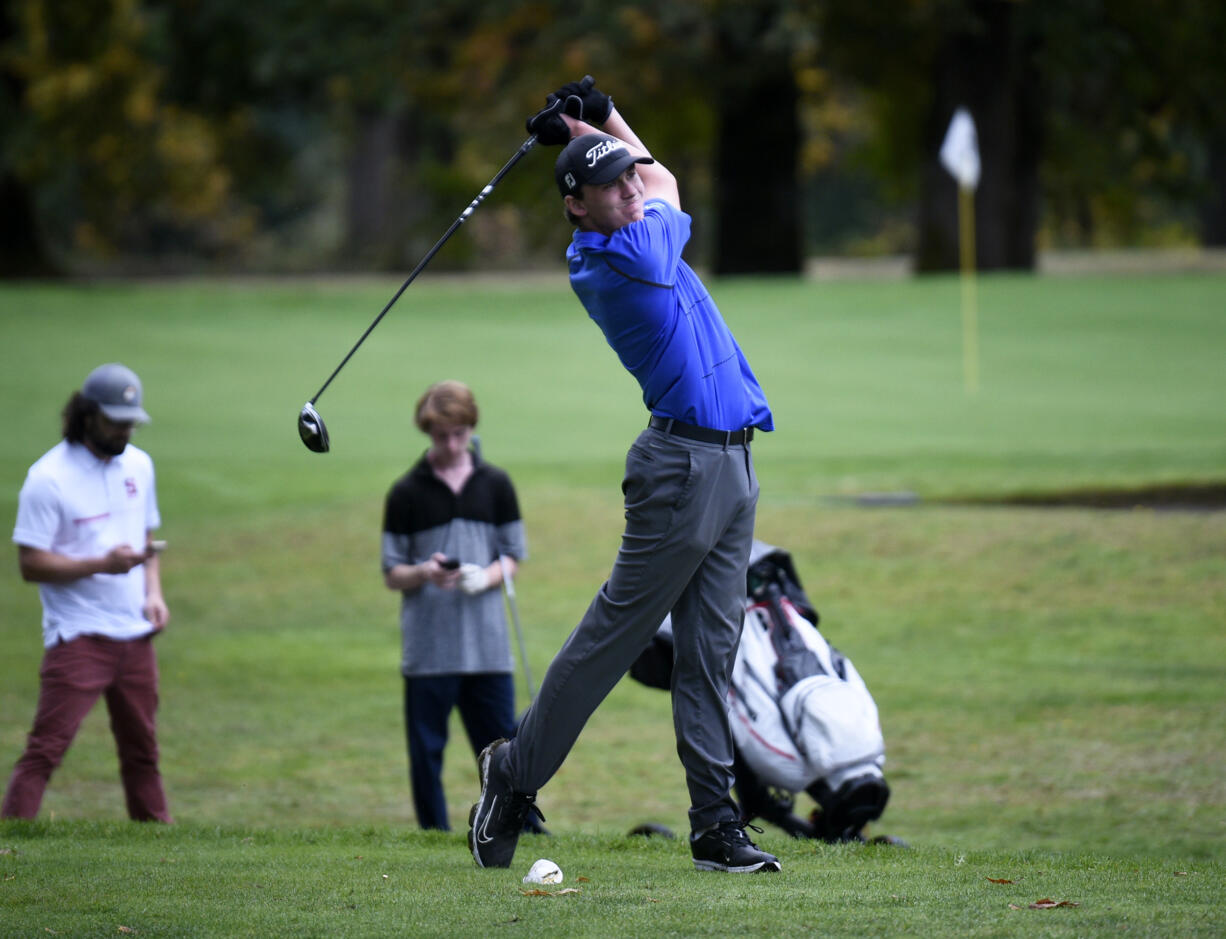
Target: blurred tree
{"type": "Point", "coordinates": [114, 167]}
{"type": "Point", "coordinates": [287, 133]}
{"type": "Point", "coordinates": [1135, 113]}
{"type": "Point", "coordinates": [318, 114]}
{"type": "Point", "coordinates": [920, 61]}
{"type": "Point", "coordinates": [22, 252]}
{"type": "Point", "coordinates": [758, 139]}
{"type": "Point", "coordinates": [1107, 116]}
{"type": "Point", "coordinates": [711, 86]}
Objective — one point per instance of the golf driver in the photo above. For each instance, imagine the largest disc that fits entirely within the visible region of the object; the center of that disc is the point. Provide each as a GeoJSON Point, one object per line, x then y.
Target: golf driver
{"type": "Point", "coordinates": [311, 427]}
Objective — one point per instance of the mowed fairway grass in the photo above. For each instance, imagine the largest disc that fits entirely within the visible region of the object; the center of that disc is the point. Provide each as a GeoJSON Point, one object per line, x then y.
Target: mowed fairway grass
{"type": "Point", "coordinates": [1052, 681]}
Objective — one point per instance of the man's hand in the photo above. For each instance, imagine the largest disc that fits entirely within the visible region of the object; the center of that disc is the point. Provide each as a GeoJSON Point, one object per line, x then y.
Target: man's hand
{"type": "Point", "coordinates": [584, 101]}
{"type": "Point", "coordinates": [445, 577]}
{"type": "Point", "coordinates": [156, 611]}
{"type": "Point", "coordinates": [547, 123]}
{"type": "Point", "coordinates": [122, 558]}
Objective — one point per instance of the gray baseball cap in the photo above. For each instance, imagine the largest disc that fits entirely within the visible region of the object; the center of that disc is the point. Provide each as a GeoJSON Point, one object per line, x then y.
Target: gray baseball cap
{"type": "Point", "coordinates": [117, 391]}
{"type": "Point", "coordinates": [592, 159]}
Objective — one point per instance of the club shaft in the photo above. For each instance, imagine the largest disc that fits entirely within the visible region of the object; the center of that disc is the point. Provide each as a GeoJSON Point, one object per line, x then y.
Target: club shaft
{"type": "Point", "coordinates": [472, 206]}
{"type": "Point", "coordinates": [508, 583]}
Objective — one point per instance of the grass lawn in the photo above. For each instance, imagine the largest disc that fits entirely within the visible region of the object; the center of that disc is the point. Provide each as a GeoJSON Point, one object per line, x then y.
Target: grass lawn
{"type": "Point", "coordinates": [1050, 680]}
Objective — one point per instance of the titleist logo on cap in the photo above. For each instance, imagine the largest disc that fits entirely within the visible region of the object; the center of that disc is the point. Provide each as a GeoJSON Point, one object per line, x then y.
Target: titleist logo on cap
{"type": "Point", "coordinates": [601, 150]}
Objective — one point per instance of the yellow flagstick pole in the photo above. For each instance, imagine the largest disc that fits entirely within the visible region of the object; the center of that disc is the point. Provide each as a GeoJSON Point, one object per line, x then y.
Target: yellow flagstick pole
{"type": "Point", "coordinates": [970, 317]}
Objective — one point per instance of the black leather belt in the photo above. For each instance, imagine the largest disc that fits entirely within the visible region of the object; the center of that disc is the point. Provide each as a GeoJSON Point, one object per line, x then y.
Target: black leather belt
{"type": "Point", "coordinates": [727, 438]}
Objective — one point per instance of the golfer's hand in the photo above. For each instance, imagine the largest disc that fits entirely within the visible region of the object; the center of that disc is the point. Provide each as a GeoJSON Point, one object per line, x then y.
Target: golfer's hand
{"type": "Point", "coordinates": [585, 101]}
{"type": "Point", "coordinates": [547, 123]}
{"type": "Point", "coordinates": [474, 579]}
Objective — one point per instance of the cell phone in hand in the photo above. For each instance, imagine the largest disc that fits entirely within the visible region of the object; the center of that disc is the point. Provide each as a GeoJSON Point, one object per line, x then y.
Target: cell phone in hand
{"type": "Point", "coordinates": [157, 546]}
{"type": "Point", "coordinates": [449, 564]}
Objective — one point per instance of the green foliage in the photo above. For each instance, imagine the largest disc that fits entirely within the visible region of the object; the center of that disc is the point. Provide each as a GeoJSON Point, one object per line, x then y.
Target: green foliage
{"type": "Point", "coordinates": [117, 166]}
{"type": "Point", "coordinates": [1129, 116]}
{"type": "Point", "coordinates": [277, 135]}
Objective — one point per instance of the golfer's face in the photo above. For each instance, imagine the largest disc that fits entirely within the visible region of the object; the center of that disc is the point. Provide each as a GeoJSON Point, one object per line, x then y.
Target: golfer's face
{"type": "Point", "coordinates": [449, 441]}
{"type": "Point", "coordinates": [614, 204]}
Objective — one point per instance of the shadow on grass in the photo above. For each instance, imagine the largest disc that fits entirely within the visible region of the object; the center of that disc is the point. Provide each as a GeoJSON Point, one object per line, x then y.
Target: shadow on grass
{"type": "Point", "coordinates": [1172, 497]}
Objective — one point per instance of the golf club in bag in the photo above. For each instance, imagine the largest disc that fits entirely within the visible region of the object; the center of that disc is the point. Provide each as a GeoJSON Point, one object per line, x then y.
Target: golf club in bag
{"type": "Point", "coordinates": [311, 427]}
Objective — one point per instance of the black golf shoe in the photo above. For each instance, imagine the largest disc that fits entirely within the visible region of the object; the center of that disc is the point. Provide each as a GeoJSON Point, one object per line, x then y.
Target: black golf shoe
{"type": "Point", "coordinates": [499, 816]}
{"type": "Point", "coordinates": [728, 848]}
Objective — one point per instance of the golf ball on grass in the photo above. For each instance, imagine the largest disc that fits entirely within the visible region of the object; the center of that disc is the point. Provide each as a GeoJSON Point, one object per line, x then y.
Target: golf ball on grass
{"type": "Point", "coordinates": [544, 871]}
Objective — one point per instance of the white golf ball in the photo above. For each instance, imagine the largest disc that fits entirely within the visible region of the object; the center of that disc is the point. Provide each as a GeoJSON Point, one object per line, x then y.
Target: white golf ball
{"type": "Point", "coordinates": [544, 871]}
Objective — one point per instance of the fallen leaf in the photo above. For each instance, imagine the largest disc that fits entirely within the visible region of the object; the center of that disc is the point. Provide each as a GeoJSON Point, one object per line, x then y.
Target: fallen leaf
{"type": "Point", "coordinates": [126, 929]}
{"type": "Point", "coordinates": [999, 880]}
{"type": "Point", "coordinates": [537, 892]}
{"type": "Point", "coordinates": [1014, 906]}
{"type": "Point", "coordinates": [1049, 904]}
{"type": "Point", "coordinates": [569, 890]}
{"type": "Point", "coordinates": [1181, 873]}
{"type": "Point", "coordinates": [583, 880]}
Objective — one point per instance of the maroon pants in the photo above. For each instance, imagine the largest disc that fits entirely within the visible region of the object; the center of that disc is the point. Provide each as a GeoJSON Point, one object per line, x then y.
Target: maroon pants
{"type": "Point", "coordinates": [73, 676]}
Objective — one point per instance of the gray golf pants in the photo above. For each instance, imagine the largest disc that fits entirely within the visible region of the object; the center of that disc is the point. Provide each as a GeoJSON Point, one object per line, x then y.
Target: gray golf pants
{"type": "Point", "coordinates": [689, 528]}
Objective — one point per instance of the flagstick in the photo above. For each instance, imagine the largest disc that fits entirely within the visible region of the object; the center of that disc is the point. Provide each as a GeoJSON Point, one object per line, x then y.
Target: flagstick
{"type": "Point", "coordinates": [970, 319]}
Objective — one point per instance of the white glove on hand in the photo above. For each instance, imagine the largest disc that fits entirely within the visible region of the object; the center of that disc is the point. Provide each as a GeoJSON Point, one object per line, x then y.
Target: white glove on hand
{"type": "Point", "coordinates": [473, 579]}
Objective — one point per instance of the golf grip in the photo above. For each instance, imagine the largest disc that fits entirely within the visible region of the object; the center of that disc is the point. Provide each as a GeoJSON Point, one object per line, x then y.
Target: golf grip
{"type": "Point", "coordinates": [489, 187]}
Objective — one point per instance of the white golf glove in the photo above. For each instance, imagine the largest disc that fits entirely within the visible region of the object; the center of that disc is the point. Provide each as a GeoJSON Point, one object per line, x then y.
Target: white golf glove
{"type": "Point", "coordinates": [473, 578]}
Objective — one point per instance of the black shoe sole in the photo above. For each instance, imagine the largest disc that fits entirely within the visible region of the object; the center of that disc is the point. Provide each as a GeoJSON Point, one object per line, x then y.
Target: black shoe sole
{"type": "Point", "coordinates": [763, 867]}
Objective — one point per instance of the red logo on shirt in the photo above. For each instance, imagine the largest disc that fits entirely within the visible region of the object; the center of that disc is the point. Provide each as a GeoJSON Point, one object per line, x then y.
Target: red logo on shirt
{"type": "Point", "coordinates": [130, 485]}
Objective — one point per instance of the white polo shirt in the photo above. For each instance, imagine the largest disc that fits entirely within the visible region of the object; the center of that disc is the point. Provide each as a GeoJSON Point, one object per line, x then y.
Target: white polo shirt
{"type": "Point", "coordinates": [73, 503]}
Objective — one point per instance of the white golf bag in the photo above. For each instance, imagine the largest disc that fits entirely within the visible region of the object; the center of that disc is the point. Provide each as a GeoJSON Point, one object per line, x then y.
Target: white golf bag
{"type": "Point", "coordinates": [799, 711]}
{"type": "Point", "coordinates": [802, 718]}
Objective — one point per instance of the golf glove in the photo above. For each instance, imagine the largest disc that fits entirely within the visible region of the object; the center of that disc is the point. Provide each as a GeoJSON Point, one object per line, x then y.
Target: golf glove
{"type": "Point", "coordinates": [547, 123]}
{"type": "Point", "coordinates": [473, 579]}
{"type": "Point", "coordinates": [594, 105]}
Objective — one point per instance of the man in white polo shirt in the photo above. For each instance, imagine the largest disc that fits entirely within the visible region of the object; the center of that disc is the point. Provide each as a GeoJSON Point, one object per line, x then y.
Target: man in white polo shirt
{"type": "Point", "coordinates": [84, 521]}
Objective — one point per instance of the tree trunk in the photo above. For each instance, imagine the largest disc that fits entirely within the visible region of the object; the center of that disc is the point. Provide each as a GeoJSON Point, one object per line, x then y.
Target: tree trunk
{"type": "Point", "coordinates": [757, 197]}
{"type": "Point", "coordinates": [1213, 208]}
{"type": "Point", "coordinates": [389, 211]}
{"type": "Point", "coordinates": [22, 251]}
{"type": "Point", "coordinates": [987, 67]}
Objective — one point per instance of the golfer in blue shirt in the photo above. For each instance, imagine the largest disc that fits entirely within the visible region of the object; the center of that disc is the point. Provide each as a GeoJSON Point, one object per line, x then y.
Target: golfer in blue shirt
{"type": "Point", "coordinates": [690, 490]}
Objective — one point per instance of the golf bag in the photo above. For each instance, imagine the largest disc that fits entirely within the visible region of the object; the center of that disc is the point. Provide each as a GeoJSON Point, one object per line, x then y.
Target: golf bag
{"type": "Point", "coordinates": [802, 718]}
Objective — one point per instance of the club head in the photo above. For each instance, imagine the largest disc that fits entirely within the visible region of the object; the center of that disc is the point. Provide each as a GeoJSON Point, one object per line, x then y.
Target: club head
{"type": "Point", "coordinates": [312, 430]}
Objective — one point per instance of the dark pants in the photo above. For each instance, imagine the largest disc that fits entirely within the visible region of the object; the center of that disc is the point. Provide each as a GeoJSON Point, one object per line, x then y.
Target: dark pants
{"type": "Point", "coordinates": [689, 528]}
{"type": "Point", "coordinates": [487, 709]}
{"type": "Point", "coordinates": [72, 678]}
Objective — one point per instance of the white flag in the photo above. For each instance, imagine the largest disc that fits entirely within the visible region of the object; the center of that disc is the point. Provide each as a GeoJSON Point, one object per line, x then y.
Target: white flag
{"type": "Point", "coordinates": [960, 151]}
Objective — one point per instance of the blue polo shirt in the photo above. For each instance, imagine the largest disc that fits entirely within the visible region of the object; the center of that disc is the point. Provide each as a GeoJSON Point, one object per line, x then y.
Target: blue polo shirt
{"type": "Point", "coordinates": [658, 317]}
